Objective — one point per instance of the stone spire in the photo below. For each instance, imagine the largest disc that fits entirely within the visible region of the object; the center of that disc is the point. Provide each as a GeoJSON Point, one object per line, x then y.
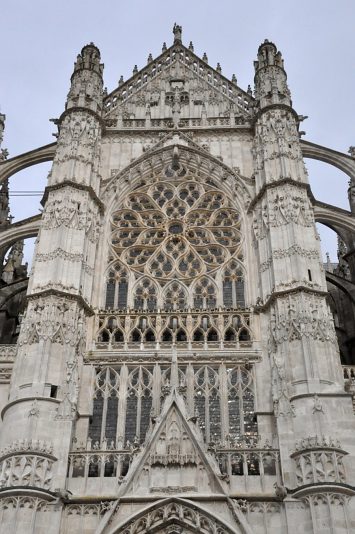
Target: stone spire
{"type": "Point", "coordinates": [86, 81]}
{"type": "Point", "coordinates": [270, 77]}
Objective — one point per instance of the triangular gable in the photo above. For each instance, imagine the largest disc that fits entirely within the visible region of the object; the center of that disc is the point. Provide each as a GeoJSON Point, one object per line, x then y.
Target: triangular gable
{"type": "Point", "coordinates": [170, 72]}
{"type": "Point", "coordinates": [174, 459]}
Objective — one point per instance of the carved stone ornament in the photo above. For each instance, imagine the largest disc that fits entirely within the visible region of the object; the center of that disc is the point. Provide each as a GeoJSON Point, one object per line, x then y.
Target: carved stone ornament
{"type": "Point", "coordinates": [279, 389]}
{"type": "Point", "coordinates": [72, 211]}
{"type": "Point", "coordinates": [25, 445]}
{"type": "Point", "coordinates": [78, 136]}
{"type": "Point", "coordinates": [319, 459]}
{"type": "Point", "coordinates": [27, 463]}
{"type": "Point", "coordinates": [52, 318]}
{"type": "Point", "coordinates": [292, 205]}
{"type": "Point", "coordinates": [177, 514]}
{"type": "Point", "coordinates": [299, 316]}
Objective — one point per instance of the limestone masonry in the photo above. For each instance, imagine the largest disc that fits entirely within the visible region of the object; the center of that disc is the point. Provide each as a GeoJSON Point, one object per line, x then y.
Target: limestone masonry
{"type": "Point", "coordinates": [179, 359]}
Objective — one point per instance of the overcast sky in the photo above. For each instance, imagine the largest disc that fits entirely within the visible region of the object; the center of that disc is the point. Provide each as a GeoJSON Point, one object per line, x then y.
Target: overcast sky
{"type": "Point", "coordinates": [41, 38]}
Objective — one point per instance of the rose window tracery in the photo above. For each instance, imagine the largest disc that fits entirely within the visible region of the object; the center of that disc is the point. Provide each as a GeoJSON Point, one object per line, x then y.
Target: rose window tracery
{"type": "Point", "coordinates": [178, 230]}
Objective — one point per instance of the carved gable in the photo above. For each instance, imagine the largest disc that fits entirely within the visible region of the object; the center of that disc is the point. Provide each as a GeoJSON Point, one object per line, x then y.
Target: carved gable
{"type": "Point", "coordinates": [174, 461]}
{"type": "Point", "coordinates": [175, 87]}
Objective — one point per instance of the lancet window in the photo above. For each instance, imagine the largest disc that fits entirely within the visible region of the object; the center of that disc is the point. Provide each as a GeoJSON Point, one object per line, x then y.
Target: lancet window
{"type": "Point", "coordinates": [117, 287]}
{"type": "Point", "coordinates": [104, 420]}
{"type": "Point", "coordinates": [204, 294]}
{"type": "Point", "coordinates": [208, 403]}
{"type": "Point", "coordinates": [233, 286]}
{"type": "Point", "coordinates": [145, 295]}
{"type": "Point", "coordinates": [126, 397]}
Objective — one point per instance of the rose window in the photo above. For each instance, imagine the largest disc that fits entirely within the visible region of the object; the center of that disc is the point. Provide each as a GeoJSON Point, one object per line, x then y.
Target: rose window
{"type": "Point", "coordinates": [176, 231]}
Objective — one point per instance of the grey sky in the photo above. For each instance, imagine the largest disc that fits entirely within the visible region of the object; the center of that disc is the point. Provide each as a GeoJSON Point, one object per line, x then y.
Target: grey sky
{"type": "Point", "coordinates": [41, 38]}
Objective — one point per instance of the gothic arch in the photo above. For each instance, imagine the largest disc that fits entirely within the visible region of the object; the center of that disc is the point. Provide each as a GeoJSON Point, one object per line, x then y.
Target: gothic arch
{"type": "Point", "coordinates": [175, 295]}
{"type": "Point", "coordinates": [20, 230]}
{"type": "Point", "coordinates": [338, 219]}
{"type": "Point", "coordinates": [201, 289]}
{"type": "Point", "coordinates": [178, 216]}
{"type": "Point", "coordinates": [145, 170]}
{"type": "Point", "coordinates": [342, 161]}
{"type": "Point", "coordinates": [23, 161]}
{"type": "Point", "coordinates": [180, 513]}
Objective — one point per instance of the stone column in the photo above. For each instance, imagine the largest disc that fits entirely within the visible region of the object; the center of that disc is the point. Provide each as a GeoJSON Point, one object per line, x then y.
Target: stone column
{"type": "Point", "coordinates": [44, 389]}
{"type": "Point", "coordinates": [306, 375]}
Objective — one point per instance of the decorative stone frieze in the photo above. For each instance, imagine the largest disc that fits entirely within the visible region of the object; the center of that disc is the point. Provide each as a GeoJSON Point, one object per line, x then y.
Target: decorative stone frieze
{"type": "Point", "coordinates": [52, 318]}
{"type": "Point", "coordinates": [26, 470]}
{"type": "Point", "coordinates": [319, 459]}
{"type": "Point", "coordinates": [298, 316]}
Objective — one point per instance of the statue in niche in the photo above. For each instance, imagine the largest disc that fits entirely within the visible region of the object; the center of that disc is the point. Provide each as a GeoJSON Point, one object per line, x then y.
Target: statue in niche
{"type": "Point", "coordinates": [174, 440]}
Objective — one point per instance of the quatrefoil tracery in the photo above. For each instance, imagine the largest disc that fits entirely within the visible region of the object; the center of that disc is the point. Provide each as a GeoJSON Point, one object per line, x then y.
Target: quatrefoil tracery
{"type": "Point", "coordinates": [176, 230]}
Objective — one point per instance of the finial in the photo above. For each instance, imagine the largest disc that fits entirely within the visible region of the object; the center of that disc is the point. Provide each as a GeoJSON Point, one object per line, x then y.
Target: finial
{"type": "Point", "coordinates": [135, 70]}
{"type": "Point", "coordinates": [177, 31]}
{"type": "Point", "coordinates": [191, 46]}
{"type": "Point", "coordinates": [234, 79]}
{"type": "Point", "coordinates": [249, 91]}
{"type": "Point", "coordinates": [150, 58]}
{"type": "Point", "coordinates": [219, 68]}
{"type": "Point", "coordinates": [164, 47]}
{"type": "Point", "coordinates": [204, 57]}
{"type": "Point", "coordinates": [120, 81]}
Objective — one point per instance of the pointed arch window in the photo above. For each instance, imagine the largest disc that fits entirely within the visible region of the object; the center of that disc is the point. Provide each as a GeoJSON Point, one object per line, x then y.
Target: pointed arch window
{"type": "Point", "coordinates": [145, 296]}
{"type": "Point", "coordinates": [233, 286]}
{"type": "Point", "coordinates": [103, 424]}
{"type": "Point", "coordinates": [175, 297]}
{"type": "Point", "coordinates": [205, 294]}
{"type": "Point", "coordinates": [242, 420]}
{"type": "Point", "coordinates": [208, 403]}
{"type": "Point", "coordinates": [117, 287]}
{"type": "Point", "coordinates": [139, 404]}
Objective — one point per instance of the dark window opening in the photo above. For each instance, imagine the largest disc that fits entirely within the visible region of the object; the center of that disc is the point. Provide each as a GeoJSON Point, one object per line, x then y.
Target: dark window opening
{"type": "Point", "coordinates": [54, 391]}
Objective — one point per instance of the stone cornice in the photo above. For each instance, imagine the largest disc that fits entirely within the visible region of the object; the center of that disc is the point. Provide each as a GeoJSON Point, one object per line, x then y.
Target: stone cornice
{"type": "Point", "coordinates": [76, 109]}
{"type": "Point", "coordinates": [279, 183]}
{"type": "Point", "coordinates": [275, 106]}
{"type": "Point", "coordinates": [74, 185]}
{"type": "Point", "coordinates": [248, 126]}
{"type": "Point", "coordinates": [63, 294]}
{"type": "Point", "coordinates": [27, 399]}
{"type": "Point", "coordinates": [28, 491]}
{"type": "Point", "coordinates": [277, 294]}
{"type": "Point", "coordinates": [322, 487]}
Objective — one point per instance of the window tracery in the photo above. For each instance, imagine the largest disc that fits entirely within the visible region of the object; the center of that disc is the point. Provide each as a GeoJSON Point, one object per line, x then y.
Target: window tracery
{"type": "Point", "coordinates": [145, 295]}
{"type": "Point", "coordinates": [233, 286]}
{"type": "Point", "coordinates": [176, 229]}
{"type": "Point", "coordinates": [117, 287]}
{"type": "Point", "coordinates": [221, 396]}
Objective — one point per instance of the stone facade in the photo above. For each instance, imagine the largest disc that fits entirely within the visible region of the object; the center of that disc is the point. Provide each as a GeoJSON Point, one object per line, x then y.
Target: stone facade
{"type": "Point", "coordinates": [177, 367]}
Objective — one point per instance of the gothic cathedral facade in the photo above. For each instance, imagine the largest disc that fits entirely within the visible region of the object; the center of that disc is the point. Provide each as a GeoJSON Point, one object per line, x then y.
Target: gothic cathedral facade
{"type": "Point", "coordinates": [177, 368]}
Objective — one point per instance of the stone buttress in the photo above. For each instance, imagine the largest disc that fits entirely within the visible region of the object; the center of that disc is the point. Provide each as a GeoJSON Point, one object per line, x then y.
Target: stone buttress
{"type": "Point", "coordinates": [38, 418]}
{"type": "Point", "coordinates": [297, 325]}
